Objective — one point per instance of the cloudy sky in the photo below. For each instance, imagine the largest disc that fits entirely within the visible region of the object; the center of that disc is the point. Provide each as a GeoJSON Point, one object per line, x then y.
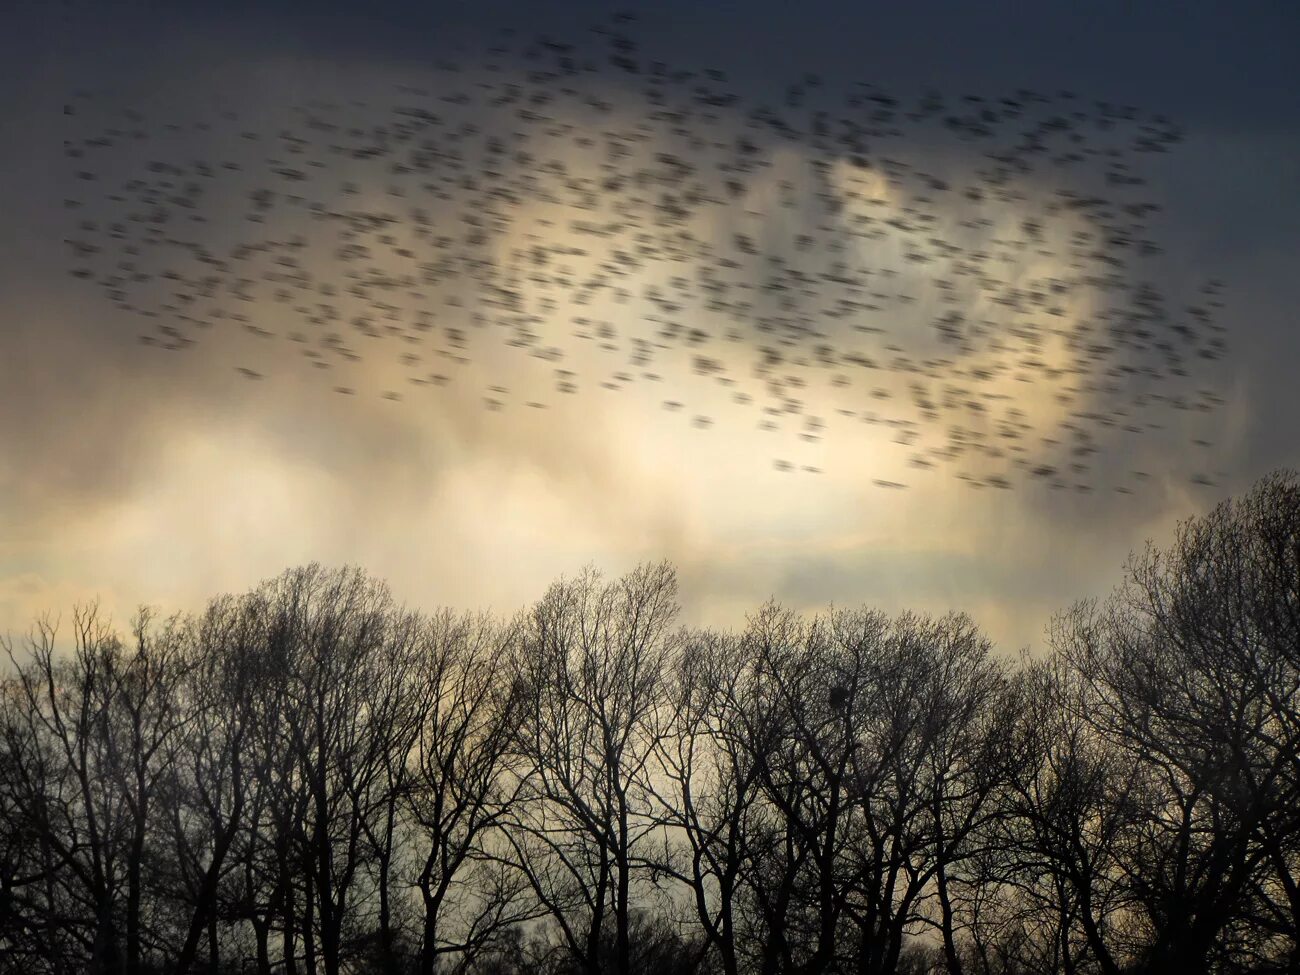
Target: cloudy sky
{"type": "Point", "coordinates": [133, 474]}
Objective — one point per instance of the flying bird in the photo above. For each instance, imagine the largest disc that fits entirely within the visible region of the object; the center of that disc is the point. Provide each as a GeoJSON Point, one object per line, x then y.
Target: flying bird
{"type": "Point", "coordinates": [989, 308]}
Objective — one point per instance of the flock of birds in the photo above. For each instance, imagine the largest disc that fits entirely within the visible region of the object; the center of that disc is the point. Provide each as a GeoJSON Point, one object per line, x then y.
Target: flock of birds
{"type": "Point", "coordinates": [975, 278]}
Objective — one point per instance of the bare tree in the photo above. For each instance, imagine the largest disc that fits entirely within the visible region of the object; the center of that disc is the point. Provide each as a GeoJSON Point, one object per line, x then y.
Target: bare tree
{"type": "Point", "coordinates": [1068, 807]}
{"type": "Point", "coordinates": [590, 662]}
{"type": "Point", "coordinates": [708, 787]}
{"type": "Point", "coordinates": [588, 787]}
{"type": "Point", "coordinates": [460, 795]}
{"type": "Point", "coordinates": [879, 745]}
{"type": "Point", "coordinates": [217, 768]}
{"type": "Point", "coordinates": [90, 737]}
{"type": "Point", "coordinates": [1193, 670]}
{"type": "Point", "coordinates": [347, 653]}
{"type": "Point", "coordinates": [36, 923]}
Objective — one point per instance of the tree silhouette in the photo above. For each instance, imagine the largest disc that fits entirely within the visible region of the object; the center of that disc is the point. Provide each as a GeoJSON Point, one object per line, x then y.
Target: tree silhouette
{"type": "Point", "coordinates": [310, 778]}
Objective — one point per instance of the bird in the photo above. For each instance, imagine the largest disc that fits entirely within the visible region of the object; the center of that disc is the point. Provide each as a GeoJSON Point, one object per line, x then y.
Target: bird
{"type": "Point", "coordinates": [817, 259]}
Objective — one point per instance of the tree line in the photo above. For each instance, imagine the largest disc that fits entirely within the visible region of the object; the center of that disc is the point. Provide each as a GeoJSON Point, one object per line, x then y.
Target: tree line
{"type": "Point", "coordinates": [311, 779]}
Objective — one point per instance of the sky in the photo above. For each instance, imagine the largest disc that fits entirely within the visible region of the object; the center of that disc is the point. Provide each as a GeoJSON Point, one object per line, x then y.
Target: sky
{"type": "Point", "coordinates": [134, 475]}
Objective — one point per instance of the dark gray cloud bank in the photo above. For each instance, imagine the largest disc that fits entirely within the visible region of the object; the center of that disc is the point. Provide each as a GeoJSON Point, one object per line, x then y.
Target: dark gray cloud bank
{"type": "Point", "coordinates": [137, 475]}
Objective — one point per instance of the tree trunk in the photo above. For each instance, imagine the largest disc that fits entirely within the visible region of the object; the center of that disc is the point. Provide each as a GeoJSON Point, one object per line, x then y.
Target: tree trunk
{"type": "Point", "coordinates": [214, 946]}
{"type": "Point", "coordinates": [205, 903]}
{"type": "Point", "coordinates": [388, 958]}
{"type": "Point", "coordinates": [133, 881]}
{"type": "Point", "coordinates": [104, 959]}
{"type": "Point", "coordinates": [309, 924]}
{"type": "Point", "coordinates": [727, 934]}
{"type": "Point", "coordinates": [623, 935]}
{"type": "Point", "coordinates": [288, 912]}
{"type": "Point", "coordinates": [262, 931]}
{"type": "Point", "coordinates": [949, 938]}
{"type": "Point", "coordinates": [429, 942]}
{"type": "Point", "coordinates": [388, 961]}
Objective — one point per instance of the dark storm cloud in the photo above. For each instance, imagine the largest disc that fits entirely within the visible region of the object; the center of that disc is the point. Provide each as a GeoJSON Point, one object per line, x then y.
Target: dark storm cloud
{"type": "Point", "coordinates": [99, 472]}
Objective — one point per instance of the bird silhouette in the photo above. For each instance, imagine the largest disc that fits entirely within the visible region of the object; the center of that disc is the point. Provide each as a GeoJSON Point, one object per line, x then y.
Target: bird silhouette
{"type": "Point", "coordinates": [970, 275]}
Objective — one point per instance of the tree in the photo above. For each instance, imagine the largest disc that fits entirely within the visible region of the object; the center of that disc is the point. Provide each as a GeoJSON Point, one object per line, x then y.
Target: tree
{"type": "Point", "coordinates": [708, 788]}
{"type": "Point", "coordinates": [591, 711]}
{"type": "Point", "coordinates": [89, 746]}
{"type": "Point", "coordinates": [346, 653]}
{"type": "Point", "coordinates": [587, 787]}
{"type": "Point", "coordinates": [218, 769]}
{"type": "Point", "coordinates": [1068, 807]}
{"type": "Point", "coordinates": [1193, 666]}
{"type": "Point", "coordinates": [460, 795]}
